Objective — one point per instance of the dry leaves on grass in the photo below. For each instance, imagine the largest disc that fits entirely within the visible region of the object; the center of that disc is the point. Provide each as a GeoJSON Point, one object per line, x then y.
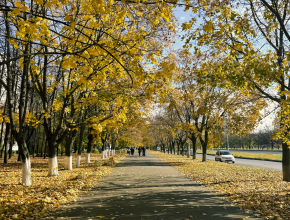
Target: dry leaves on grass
{"type": "Point", "coordinates": [255, 190]}
{"type": "Point", "coordinates": [46, 193]}
{"type": "Point", "coordinates": [264, 156]}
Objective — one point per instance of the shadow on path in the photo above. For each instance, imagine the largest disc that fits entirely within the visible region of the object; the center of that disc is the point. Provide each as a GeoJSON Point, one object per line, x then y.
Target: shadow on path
{"type": "Point", "coordinates": [147, 188]}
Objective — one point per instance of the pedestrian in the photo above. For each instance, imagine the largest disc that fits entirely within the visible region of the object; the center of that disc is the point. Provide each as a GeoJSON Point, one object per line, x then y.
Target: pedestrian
{"type": "Point", "coordinates": [144, 150]}
{"type": "Point", "coordinates": [132, 151]}
{"type": "Point", "coordinates": [139, 151]}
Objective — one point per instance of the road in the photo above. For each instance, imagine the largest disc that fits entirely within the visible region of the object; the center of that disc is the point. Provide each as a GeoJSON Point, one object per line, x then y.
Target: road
{"type": "Point", "coordinates": [254, 151]}
{"type": "Point", "coordinates": [258, 151]}
{"type": "Point", "coordinates": [268, 165]}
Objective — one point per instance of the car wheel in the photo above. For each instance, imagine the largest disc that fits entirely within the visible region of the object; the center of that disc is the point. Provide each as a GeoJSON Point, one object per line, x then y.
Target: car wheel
{"type": "Point", "coordinates": [220, 160]}
{"type": "Point", "coordinates": [233, 161]}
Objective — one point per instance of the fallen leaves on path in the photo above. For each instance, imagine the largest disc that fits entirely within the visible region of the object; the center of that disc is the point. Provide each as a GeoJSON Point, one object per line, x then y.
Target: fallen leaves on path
{"type": "Point", "coordinates": [46, 193]}
{"type": "Point", "coordinates": [255, 190]}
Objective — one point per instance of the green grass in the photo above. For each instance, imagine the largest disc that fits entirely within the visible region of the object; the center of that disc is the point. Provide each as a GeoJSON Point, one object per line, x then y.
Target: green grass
{"type": "Point", "coordinates": [250, 155]}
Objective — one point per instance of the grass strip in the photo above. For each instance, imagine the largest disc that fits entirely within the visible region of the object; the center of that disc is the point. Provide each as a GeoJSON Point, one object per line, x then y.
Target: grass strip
{"type": "Point", "coordinates": [255, 190]}
{"type": "Point", "coordinates": [264, 156]}
{"type": "Point", "coordinates": [46, 194]}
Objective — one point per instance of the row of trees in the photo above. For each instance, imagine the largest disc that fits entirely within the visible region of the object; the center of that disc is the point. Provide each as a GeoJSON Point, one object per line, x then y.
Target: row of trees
{"type": "Point", "coordinates": [70, 66]}
{"type": "Point", "coordinates": [258, 140]}
{"type": "Point", "coordinates": [240, 63]}
{"type": "Point", "coordinates": [244, 45]}
{"type": "Point", "coordinates": [74, 69]}
{"type": "Point", "coordinates": [198, 111]}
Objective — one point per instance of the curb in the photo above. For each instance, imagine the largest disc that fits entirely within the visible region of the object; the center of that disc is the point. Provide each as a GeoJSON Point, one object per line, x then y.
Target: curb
{"type": "Point", "coordinates": [251, 158]}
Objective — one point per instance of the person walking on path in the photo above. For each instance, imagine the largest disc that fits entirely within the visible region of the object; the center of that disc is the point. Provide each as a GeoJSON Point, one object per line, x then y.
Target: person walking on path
{"type": "Point", "coordinates": [132, 151]}
{"type": "Point", "coordinates": [139, 151]}
{"type": "Point", "coordinates": [144, 150]}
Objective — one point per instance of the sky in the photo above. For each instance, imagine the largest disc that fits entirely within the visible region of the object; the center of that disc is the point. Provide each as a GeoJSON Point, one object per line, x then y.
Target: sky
{"type": "Point", "coordinates": [182, 16]}
{"type": "Point", "coordinates": [186, 16]}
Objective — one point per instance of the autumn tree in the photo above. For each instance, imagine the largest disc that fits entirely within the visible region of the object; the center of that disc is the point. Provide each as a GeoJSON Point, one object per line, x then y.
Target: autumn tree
{"type": "Point", "coordinates": [253, 46]}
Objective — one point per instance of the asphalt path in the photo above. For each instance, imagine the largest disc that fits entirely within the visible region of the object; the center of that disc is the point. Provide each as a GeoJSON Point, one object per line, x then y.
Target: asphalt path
{"type": "Point", "coordinates": [148, 188]}
{"type": "Point", "coordinates": [268, 165]}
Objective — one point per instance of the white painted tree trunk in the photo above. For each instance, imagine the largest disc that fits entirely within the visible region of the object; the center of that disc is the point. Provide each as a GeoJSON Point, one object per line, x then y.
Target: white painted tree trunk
{"type": "Point", "coordinates": [52, 166]}
{"type": "Point", "coordinates": [78, 160]}
{"type": "Point", "coordinates": [103, 154]}
{"type": "Point", "coordinates": [88, 158]}
{"type": "Point", "coordinates": [109, 153]}
{"type": "Point", "coordinates": [26, 175]}
{"type": "Point", "coordinates": [68, 163]}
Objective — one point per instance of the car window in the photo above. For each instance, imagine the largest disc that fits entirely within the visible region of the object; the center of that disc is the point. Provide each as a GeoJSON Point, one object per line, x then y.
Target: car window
{"type": "Point", "coordinates": [225, 153]}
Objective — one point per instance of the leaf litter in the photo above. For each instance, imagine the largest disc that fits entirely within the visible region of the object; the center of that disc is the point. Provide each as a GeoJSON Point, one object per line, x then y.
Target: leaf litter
{"type": "Point", "coordinates": [254, 190]}
{"type": "Point", "coordinates": [47, 194]}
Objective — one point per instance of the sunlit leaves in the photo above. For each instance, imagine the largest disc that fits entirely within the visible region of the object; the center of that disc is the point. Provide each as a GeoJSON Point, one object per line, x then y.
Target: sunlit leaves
{"type": "Point", "coordinates": [255, 190]}
{"type": "Point", "coordinates": [46, 194]}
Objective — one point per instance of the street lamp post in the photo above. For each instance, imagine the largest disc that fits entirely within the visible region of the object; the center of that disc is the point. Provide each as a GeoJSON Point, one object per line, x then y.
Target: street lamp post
{"type": "Point", "coordinates": [226, 133]}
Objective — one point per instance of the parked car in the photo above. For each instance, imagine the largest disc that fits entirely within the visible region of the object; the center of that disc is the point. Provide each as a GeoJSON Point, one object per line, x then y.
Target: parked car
{"type": "Point", "coordinates": [185, 151]}
{"type": "Point", "coordinates": [224, 156]}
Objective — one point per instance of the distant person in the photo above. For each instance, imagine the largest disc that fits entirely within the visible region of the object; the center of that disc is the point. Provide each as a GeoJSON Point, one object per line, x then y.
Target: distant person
{"type": "Point", "coordinates": [144, 150]}
{"type": "Point", "coordinates": [139, 151]}
{"type": "Point", "coordinates": [132, 151]}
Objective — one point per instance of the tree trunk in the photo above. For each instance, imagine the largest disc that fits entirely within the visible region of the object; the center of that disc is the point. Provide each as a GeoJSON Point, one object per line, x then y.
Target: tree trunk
{"type": "Point", "coordinates": [1, 154]}
{"type": "Point", "coordinates": [43, 143]}
{"type": "Point", "coordinates": [90, 140]}
{"type": "Point", "coordinates": [1, 145]}
{"type": "Point", "coordinates": [45, 149]}
{"type": "Point", "coordinates": [75, 146]}
{"type": "Point", "coordinates": [19, 155]}
{"type": "Point", "coordinates": [26, 164]}
{"type": "Point", "coordinates": [6, 142]}
{"type": "Point", "coordinates": [193, 140]}
{"type": "Point", "coordinates": [52, 159]}
{"type": "Point", "coordinates": [104, 153]}
{"type": "Point", "coordinates": [286, 162]}
{"type": "Point", "coordinates": [204, 145]}
{"type": "Point", "coordinates": [174, 148]}
{"type": "Point", "coordinates": [188, 150]}
{"type": "Point", "coordinates": [68, 149]}
{"type": "Point", "coordinates": [272, 144]}
{"type": "Point", "coordinates": [80, 149]}
{"type": "Point", "coordinates": [182, 149]}
{"type": "Point", "coordinates": [204, 148]}
{"type": "Point", "coordinates": [37, 148]}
